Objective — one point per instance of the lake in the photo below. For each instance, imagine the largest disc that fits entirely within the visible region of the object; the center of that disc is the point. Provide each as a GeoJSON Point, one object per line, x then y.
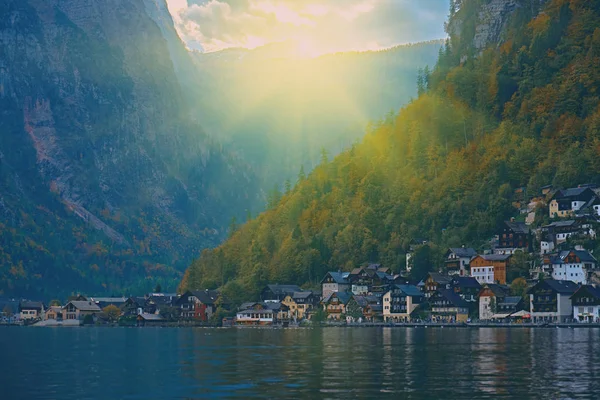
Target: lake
{"type": "Point", "coordinates": [412, 363]}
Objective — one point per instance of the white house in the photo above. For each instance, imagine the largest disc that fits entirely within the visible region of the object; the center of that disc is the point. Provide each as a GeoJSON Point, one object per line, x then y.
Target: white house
{"type": "Point", "coordinates": [458, 259]}
{"type": "Point", "coordinates": [572, 265]}
{"type": "Point", "coordinates": [483, 274]}
{"type": "Point", "coordinates": [586, 304]}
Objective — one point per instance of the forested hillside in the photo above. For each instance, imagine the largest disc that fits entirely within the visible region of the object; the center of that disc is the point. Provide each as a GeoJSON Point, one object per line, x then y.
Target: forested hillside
{"type": "Point", "coordinates": [503, 109]}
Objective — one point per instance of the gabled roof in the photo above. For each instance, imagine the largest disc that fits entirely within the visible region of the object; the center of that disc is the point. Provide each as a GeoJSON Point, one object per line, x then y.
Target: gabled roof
{"type": "Point", "coordinates": [360, 300]}
{"type": "Point", "coordinates": [275, 306]}
{"type": "Point", "coordinates": [466, 282]}
{"type": "Point", "coordinates": [452, 297]}
{"type": "Point", "coordinates": [84, 305]}
{"type": "Point", "coordinates": [517, 227]}
{"type": "Point", "coordinates": [463, 252]}
{"type": "Point", "coordinates": [247, 305]}
{"type": "Point", "coordinates": [583, 255]}
{"type": "Point", "coordinates": [588, 289]}
{"type": "Point", "coordinates": [338, 277]}
{"type": "Point", "coordinates": [562, 287]}
{"type": "Point", "coordinates": [112, 300]}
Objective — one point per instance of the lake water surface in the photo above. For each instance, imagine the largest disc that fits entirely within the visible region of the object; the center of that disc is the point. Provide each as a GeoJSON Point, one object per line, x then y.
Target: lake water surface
{"type": "Point", "coordinates": [412, 363]}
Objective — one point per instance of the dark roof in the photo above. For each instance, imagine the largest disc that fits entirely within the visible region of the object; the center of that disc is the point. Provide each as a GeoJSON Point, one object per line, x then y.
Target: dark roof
{"type": "Point", "coordinates": [573, 193]}
{"type": "Point", "coordinates": [562, 287]}
{"type": "Point", "coordinates": [301, 295]}
{"type": "Point", "coordinates": [247, 305]}
{"type": "Point", "coordinates": [440, 278]}
{"type": "Point", "coordinates": [517, 227]}
{"type": "Point", "coordinates": [452, 297]}
{"type": "Point", "coordinates": [466, 282]}
{"type": "Point", "coordinates": [410, 290]}
{"type": "Point", "coordinates": [592, 290]}
{"type": "Point", "coordinates": [498, 290]}
{"type": "Point", "coordinates": [206, 296]}
{"type": "Point", "coordinates": [338, 277]}
{"type": "Point", "coordinates": [31, 305]}
{"type": "Point", "coordinates": [151, 317]}
{"type": "Point", "coordinates": [495, 257]}
{"type": "Point", "coordinates": [342, 296]}
{"type": "Point", "coordinates": [463, 252]}
{"type": "Point", "coordinates": [251, 311]}
{"type": "Point", "coordinates": [511, 300]}
{"type": "Point", "coordinates": [557, 224]}
{"type": "Point", "coordinates": [360, 300]}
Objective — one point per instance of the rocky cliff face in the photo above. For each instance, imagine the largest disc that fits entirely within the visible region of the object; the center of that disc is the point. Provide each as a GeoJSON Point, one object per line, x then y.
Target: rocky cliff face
{"type": "Point", "coordinates": [103, 174]}
{"type": "Point", "coordinates": [490, 20]}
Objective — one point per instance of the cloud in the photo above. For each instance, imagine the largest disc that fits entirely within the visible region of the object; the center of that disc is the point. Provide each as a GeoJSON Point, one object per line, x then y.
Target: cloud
{"type": "Point", "coordinates": [316, 26]}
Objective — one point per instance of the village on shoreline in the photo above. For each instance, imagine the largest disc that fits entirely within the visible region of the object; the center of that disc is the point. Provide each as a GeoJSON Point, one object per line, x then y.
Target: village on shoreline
{"type": "Point", "coordinates": [470, 289]}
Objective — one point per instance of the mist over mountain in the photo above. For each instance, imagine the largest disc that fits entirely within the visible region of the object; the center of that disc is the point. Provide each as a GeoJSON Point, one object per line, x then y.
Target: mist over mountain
{"type": "Point", "coordinates": [279, 110]}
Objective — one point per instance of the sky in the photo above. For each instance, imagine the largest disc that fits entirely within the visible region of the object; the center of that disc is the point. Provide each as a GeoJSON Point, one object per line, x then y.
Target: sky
{"type": "Point", "coordinates": [312, 27]}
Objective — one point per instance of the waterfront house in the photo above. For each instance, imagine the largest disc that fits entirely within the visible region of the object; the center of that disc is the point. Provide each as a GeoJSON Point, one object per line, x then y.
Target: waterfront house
{"type": "Point", "coordinates": [513, 236]}
{"type": "Point", "coordinates": [133, 306]}
{"type": "Point", "coordinates": [489, 297]}
{"type": "Point", "coordinates": [447, 306]}
{"type": "Point", "coordinates": [550, 300]}
{"type": "Point", "coordinates": [363, 308]}
{"type": "Point", "coordinates": [586, 304]}
{"type": "Point", "coordinates": [490, 268]}
{"type": "Point", "coordinates": [435, 281]}
{"type": "Point", "coordinates": [53, 312]}
{"type": "Point", "coordinates": [335, 304]}
{"type": "Point", "coordinates": [278, 292]}
{"type": "Point", "coordinates": [79, 309]}
{"type": "Point", "coordinates": [197, 304]}
{"type": "Point", "coordinates": [31, 310]}
{"type": "Point", "coordinates": [261, 313]}
{"type": "Point", "coordinates": [509, 305]}
{"type": "Point", "coordinates": [299, 303]}
{"type": "Point", "coordinates": [566, 202]}
{"type": "Point", "coordinates": [400, 302]}
{"type": "Point", "coordinates": [571, 265]}
{"type": "Point", "coordinates": [458, 259]}
{"type": "Point", "coordinates": [369, 280]}
{"type": "Point", "coordinates": [335, 282]}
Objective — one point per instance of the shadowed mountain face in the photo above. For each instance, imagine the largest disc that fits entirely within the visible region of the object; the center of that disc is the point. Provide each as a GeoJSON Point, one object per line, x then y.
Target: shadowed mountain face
{"type": "Point", "coordinates": [105, 179]}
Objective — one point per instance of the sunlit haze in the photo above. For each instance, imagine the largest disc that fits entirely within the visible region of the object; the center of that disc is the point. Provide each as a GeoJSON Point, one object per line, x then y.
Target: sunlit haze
{"type": "Point", "coordinates": [307, 28]}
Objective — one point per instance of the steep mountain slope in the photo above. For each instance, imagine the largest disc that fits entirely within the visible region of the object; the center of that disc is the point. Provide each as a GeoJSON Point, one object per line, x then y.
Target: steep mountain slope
{"type": "Point", "coordinates": [280, 111]}
{"type": "Point", "coordinates": [516, 106]}
{"type": "Point", "coordinates": [106, 181]}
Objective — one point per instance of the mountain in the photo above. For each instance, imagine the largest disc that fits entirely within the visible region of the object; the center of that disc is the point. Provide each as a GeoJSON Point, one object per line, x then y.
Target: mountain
{"type": "Point", "coordinates": [512, 102]}
{"type": "Point", "coordinates": [279, 111]}
{"type": "Point", "coordinates": [108, 184]}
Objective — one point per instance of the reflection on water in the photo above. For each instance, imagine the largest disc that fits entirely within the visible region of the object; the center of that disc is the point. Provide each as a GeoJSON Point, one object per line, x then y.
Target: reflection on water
{"type": "Point", "coordinates": [415, 363]}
